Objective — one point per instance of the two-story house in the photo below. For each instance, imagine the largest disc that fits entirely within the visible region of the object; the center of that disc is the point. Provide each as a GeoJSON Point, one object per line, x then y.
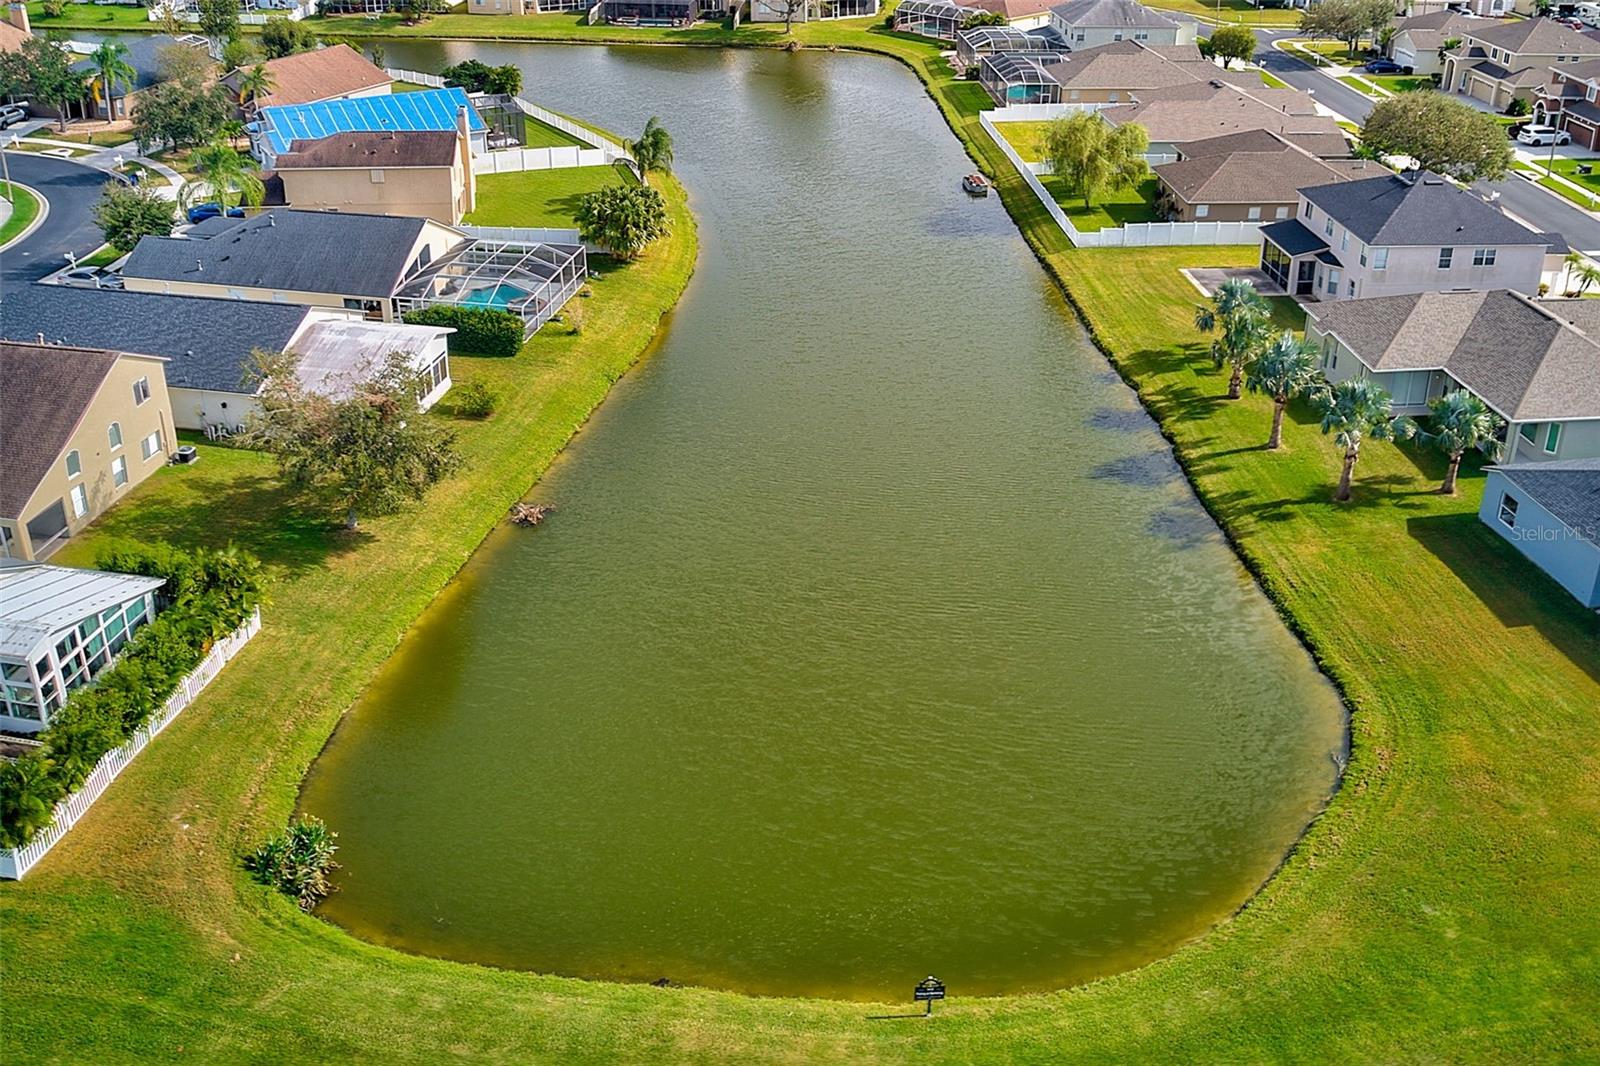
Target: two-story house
{"type": "Point", "coordinates": [1419, 41]}
{"type": "Point", "coordinates": [1568, 101]}
{"type": "Point", "coordinates": [1086, 23]}
{"type": "Point", "coordinates": [1402, 233]}
{"type": "Point", "coordinates": [1512, 60]}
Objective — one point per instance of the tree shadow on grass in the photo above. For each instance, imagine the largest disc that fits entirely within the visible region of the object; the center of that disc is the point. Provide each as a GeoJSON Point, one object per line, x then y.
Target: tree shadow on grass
{"type": "Point", "coordinates": [1517, 591]}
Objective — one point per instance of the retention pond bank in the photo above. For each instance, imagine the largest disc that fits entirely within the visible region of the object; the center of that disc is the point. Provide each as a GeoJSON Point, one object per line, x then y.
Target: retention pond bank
{"type": "Point", "coordinates": [876, 633]}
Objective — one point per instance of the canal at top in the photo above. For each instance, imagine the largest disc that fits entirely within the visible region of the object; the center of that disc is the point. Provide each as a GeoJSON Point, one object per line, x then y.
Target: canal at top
{"type": "Point", "coordinates": [876, 633]}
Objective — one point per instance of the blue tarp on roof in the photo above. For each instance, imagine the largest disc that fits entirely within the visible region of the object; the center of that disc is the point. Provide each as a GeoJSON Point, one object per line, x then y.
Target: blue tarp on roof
{"type": "Point", "coordinates": [430, 109]}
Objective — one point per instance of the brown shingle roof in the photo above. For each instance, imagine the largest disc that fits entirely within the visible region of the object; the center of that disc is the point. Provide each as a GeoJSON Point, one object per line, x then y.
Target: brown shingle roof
{"type": "Point", "coordinates": [1260, 169]}
{"type": "Point", "coordinates": [404, 148]}
{"type": "Point", "coordinates": [321, 74]}
{"type": "Point", "coordinates": [46, 391]}
{"type": "Point", "coordinates": [11, 37]}
{"type": "Point", "coordinates": [1535, 37]}
{"type": "Point", "coordinates": [1207, 109]}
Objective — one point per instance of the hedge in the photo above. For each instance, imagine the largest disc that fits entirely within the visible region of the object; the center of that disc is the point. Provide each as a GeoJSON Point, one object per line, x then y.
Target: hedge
{"type": "Point", "coordinates": [478, 330]}
{"type": "Point", "coordinates": [208, 595]}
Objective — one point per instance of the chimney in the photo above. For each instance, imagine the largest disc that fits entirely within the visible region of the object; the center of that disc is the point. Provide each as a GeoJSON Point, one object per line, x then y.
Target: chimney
{"type": "Point", "coordinates": [469, 184]}
{"type": "Point", "coordinates": [17, 15]}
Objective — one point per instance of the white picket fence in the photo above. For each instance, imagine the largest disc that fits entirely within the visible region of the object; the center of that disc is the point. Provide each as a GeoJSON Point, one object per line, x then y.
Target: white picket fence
{"type": "Point", "coordinates": [1131, 235]}
{"type": "Point", "coordinates": [14, 862]}
{"type": "Point", "coordinates": [523, 234]}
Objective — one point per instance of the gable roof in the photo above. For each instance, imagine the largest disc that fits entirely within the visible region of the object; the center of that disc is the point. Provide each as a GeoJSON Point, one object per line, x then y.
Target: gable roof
{"type": "Point", "coordinates": [207, 342]}
{"type": "Point", "coordinates": [1535, 36]}
{"type": "Point", "coordinates": [1109, 13]}
{"type": "Point", "coordinates": [11, 37]}
{"type": "Point", "coordinates": [38, 601]}
{"type": "Point", "coordinates": [1568, 488]}
{"type": "Point", "coordinates": [1521, 357]}
{"type": "Point", "coordinates": [1132, 65]}
{"type": "Point", "coordinates": [1417, 208]}
{"type": "Point", "coordinates": [144, 56]}
{"type": "Point", "coordinates": [428, 109]}
{"type": "Point", "coordinates": [320, 74]}
{"type": "Point", "coordinates": [408, 148]}
{"type": "Point", "coordinates": [336, 252]}
{"type": "Point", "coordinates": [1264, 169]}
{"type": "Point", "coordinates": [1201, 110]}
{"type": "Point", "coordinates": [47, 391]}
{"type": "Point", "coordinates": [1014, 9]}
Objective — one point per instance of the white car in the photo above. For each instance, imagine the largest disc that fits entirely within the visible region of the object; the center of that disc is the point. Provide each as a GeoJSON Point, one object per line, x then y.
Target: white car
{"type": "Point", "coordinates": [1532, 134]}
{"type": "Point", "coordinates": [11, 114]}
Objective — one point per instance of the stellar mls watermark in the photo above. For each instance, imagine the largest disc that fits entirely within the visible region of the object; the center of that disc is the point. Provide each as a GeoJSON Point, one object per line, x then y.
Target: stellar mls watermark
{"type": "Point", "coordinates": [1547, 534]}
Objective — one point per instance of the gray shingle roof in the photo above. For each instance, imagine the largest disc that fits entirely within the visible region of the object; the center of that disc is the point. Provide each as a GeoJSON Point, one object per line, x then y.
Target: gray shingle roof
{"type": "Point", "coordinates": [1112, 13]}
{"type": "Point", "coordinates": [1262, 169]}
{"type": "Point", "coordinates": [144, 56]}
{"type": "Point", "coordinates": [1417, 209]}
{"type": "Point", "coordinates": [306, 251]}
{"type": "Point", "coordinates": [208, 342]}
{"type": "Point", "coordinates": [46, 392]}
{"type": "Point", "coordinates": [1534, 36]}
{"type": "Point", "coordinates": [1567, 488]}
{"type": "Point", "coordinates": [1523, 358]}
{"type": "Point", "coordinates": [1293, 237]}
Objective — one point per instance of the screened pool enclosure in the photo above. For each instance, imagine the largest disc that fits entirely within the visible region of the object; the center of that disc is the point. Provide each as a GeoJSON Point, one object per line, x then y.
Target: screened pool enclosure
{"type": "Point", "coordinates": [972, 45]}
{"type": "Point", "coordinates": [933, 18]}
{"type": "Point", "coordinates": [1019, 78]}
{"type": "Point", "coordinates": [532, 281]}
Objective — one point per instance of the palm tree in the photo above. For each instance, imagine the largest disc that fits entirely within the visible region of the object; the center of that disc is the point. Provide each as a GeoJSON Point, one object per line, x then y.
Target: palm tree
{"type": "Point", "coordinates": [1582, 271]}
{"type": "Point", "coordinates": [652, 151]}
{"type": "Point", "coordinates": [28, 797]}
{"type": "Point", "coordinates": [253, 85]}
{"type": "Point", "coordinates": [1459, 420]}
{"type": "Point", "coordinates": [1353, 411]}
{"type": "Point", "coordinates": [111, 66]}
{"type": "Point", "coordinates": [233, 131]}
{"type": "Point", "coordinates": [221, 171]}
{"type": "Point", "coordinates": [1286, 369]}
{"type": "Point", "coordinates": [1242, 321]}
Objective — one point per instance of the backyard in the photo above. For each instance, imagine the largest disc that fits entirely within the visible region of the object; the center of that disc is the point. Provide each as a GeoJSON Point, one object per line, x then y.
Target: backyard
{"type": "Point", "coordinates": [543, 135]}
{"type": "Point", "coordinates": [540, 198]}
{"type": "Point", "coordinates": [1111, 207]}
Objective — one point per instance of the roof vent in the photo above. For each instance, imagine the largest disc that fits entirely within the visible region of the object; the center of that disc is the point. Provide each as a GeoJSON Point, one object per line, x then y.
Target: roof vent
{"type": "Point", "coordinates": [199, 265]}
{"type": "Point", "coordinates": [1433, 179]}
{"type": "Point", "coordinates": [39, 339]}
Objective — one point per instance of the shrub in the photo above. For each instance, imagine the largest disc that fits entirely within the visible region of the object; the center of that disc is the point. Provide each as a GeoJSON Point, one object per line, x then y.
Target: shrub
{"type": "Point", "coordinates": [297, 861]}
{"type": "Point", "coordinates": [476, 400]}
{"type": "Point", "coordinates": [478, 330]}
{"type": "Point", "coordinates": [623, 219]}
{"type": "Point", "coordinates": [53, 9]}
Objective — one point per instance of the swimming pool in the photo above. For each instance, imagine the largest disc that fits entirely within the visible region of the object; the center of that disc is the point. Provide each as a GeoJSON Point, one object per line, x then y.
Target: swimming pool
{"type": "Point", "coordinates": [500, 296]}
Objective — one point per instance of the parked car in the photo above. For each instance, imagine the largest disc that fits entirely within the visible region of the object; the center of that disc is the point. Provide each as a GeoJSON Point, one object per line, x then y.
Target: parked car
{"type": "Point", "coordinates": [201, 212]}
{"type": "Point", "coordinates": [1535, 134]}
{"type": "Point", "coordinates": [11, 114]}
{"type": "Point", "coordinates": [1384, 66]}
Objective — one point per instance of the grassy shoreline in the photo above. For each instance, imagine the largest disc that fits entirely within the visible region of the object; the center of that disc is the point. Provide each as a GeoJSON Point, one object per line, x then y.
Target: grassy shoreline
{"type": "Point", "coordinates": [1437, 910]}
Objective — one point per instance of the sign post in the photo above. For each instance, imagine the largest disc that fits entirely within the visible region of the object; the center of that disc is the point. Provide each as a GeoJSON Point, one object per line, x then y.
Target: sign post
{"type": "Point", "coordinates": [928, 989]}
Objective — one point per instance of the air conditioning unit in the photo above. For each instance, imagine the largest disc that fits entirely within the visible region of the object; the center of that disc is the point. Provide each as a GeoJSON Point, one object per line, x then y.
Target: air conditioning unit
{"type": "Point", "coordinates": [185, 453]}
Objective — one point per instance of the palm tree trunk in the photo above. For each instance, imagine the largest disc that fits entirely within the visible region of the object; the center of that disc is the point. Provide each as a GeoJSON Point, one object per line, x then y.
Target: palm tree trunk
{"type": "Point", "coordinates": [1449, 486]}
{"type": "Point", "coordinates": [1236, 381]}
{"type": "Point", "coordinates": [1275, 440]}
{"type": "Point", "coordinates": [1350, 457]}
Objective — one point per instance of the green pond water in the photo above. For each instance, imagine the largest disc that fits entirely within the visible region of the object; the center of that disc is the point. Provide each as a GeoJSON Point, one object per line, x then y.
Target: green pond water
{"type": "Point", "coordinates": [876, 633]}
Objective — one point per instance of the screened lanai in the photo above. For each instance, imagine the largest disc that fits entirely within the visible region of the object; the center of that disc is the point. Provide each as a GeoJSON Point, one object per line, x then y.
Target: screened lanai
{"type": "Point", "coordinates": [532, 281]}
{"type": "Point", "coordinates": [972, 45]}
{"type": "Point", "coordinates": [933, 18]}
{"type": "Point", "coordinates": [651, 12]}
{"type": "Point", "coordinates": [1019, 78]}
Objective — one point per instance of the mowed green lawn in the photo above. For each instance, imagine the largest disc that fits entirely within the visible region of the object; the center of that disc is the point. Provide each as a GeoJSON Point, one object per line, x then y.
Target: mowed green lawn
{"type": "Point", "coordinates": [541, 197]}
{"type": "Point", "coordinates": [543, 135]}
{"type": "Point", "coordinates": [1442, 909]}
{"type": "Point", "coordinates": [1111, 208]}
{"type": "Point", "coordinates": [24, 209]}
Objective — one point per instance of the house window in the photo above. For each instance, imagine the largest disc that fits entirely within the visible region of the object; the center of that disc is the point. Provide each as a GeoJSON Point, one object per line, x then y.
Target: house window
{"type": "Point", "coordinates": [1508, 510]}
{"type": "Point", "coordinates": [1282, 212]}
{"type": "Point", "coordinates": [1079, 37]}
{"type": "Point", "coordinates": [74, 464]}
{"type": "Point", "coordinates": [376, 175]}
{"type": "Point", "coordinates": [1344, 241]}
{"type": "Point", "coordinates": [1113, 97]}
{"type": "Point", "coordinates": [1117, 36]}
{"type": "Point", "coordinates": [119, 471]}
{"type": "Point", "coordinates": [1254, 212]}
{"type": "Point", "coordinates": [114, 434]}
{"type": "Point", "coordinates": [1202, 210]}
{"type": "Point", "coordinates": [1333, 282]}
{"type": "Point", "coordinates": [1141, 35]}
{"type": "Point", "coordinates": [1352, 286]}
{"type": "Point", "coordinates": [1330, 354]}
{"type": "Point", "coordinates": [1305, 209]}
{"type": "Point", "coordinates": [1588, 94]}
{"type": "Point", "coordinates": [1529, 431]}
{"type": "Point", "coordinates": [1074, 95]}
{"type": "Point", "coordinates": [1380, 258]}
{"type": "Point", "coordinates": [151, 445]}
{"type": "Point", "coordinates": [1552, 438]}
{"type": "Point", "coordinates": [80, 501]}
{"type": "Point", "coordinates": [1363, 255]}
{"type": "Point", "coordinates": [1483, 257]}
{"type": "Point", "coordinates": [1327, 227]}
{"type": "Point", "coordinates": [141, 391]}
{"type": "Point", "coordinates": [1445, 256]}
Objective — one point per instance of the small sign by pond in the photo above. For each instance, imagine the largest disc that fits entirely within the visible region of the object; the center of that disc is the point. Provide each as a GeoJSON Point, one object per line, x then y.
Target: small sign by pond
{"type": "Point", "coordinates": [928, 989]}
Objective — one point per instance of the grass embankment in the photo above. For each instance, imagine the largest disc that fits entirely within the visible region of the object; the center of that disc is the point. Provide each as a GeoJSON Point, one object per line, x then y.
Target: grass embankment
{"type": "Point", "coordinates": [24, 209]}
{"type": "Point", "coordinates": [1441, 910]}
{"type": "Point", "coordinates": [541, 197]}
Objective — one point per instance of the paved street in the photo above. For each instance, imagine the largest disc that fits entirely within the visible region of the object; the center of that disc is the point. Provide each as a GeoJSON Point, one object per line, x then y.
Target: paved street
{"type": "Point", "coordinates": [71, 190]}
{"type": "Point", "coordinates": [1522, 198]}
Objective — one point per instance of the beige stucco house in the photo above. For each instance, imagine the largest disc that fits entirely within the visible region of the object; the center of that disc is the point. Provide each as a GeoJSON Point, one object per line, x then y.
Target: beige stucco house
{"type": "Point", "coordinates": [79, 428]}
{"type": "Point", "coordinates": [426, 173]}
{"type": "Point", "coordinates": [1512, 60]}
{"type": "Point", "coordinates": [1254, 176]}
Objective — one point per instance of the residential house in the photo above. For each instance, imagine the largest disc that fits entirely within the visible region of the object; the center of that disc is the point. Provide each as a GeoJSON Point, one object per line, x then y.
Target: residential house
{"type": "Point", "coordinates": [1120, 72]}
{"type": "Point", "coordinates": [501, 7]}
{"type": "Point", "coordinates": [79, 428]}
{"type": "Point", "coordinates": [1551, 513]}
{"type": "Point", "coordinates": [335, 73]}
{"type": "Point", "coordinates": [972, 45]}
{"type": "Point", "coordinates": [1019, 14]}
{"type": "Point", "coordinates": [938, 19]}
{"type": "Point", "coordinates": [666, 13]}
{"type": "Point", "coordinates": [59, 628]}
{"type": "Point", "coordinates": [277, 128]}
{"type": "Point", "coordinates": [1481, 8]}
{"type": "Point", "coordinates": [144, 56]}
{"type": "Point", "coordinates": [427, 173]}
{"type": "Point", "coordinates": [1568, 101]}
{"type": "Point", "coordinates": [1402, 233]}
{"type": "Point", "coordinates": [1500, 62]}
{"type": "Point", "coordinates": [1246, 177]}
{"type": "Point", "coordinates": [1419, 40]}
{"type": "Point", "coordinates": [1525, 359]}
{"type": "Point", "coordinates": [815, 10]}
{"type": "Point", "coordinates": [1177, 114]}
{"type": "Point", "coordinates": [209, 348]}
{"type": "Point", "coordinates": [1086, 23]}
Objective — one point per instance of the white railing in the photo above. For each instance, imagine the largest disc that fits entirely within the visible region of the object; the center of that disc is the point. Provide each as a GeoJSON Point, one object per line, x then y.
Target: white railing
{"type": "Point", "coordinates": [523, 235]}
{"type": "Point", "coordinates": [1134, 234]}
{"type": "Point", "coordinates": [14, 862]}
{"type": "Point", "coordinates": [415, 77]}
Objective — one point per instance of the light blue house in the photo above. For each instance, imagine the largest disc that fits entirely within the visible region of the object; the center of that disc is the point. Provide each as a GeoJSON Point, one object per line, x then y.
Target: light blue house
{"type": "Point", "coordinates": [1551, 512]}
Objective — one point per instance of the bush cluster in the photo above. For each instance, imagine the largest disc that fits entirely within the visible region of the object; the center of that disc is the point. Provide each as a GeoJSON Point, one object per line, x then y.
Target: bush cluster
{"type": "Point", "coordinates": [297, 861]}
{"type": "Point", "coordinates": [207, 595]}
{"type": "Point", "coordinates": [478, 330]}
{"type": "Point", "coordinates": [475, 400]}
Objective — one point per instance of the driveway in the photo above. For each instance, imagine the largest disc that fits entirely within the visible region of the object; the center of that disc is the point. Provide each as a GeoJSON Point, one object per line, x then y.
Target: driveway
{"type": "Point", "coordinates": [1538, 208]}
{"type": "Point", "coordinates": [71, 190]}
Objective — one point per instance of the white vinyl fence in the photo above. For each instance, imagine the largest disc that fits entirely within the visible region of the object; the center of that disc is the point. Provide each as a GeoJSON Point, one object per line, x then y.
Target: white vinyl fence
{"type": "Point", "coordinates": [523, 234]}
{"type": "Point", "coordinates": [14, 862]}
{"type": "Point", "coordinates": [506, 160]}
{"type": "Point", "coordinates": [1131, 235]}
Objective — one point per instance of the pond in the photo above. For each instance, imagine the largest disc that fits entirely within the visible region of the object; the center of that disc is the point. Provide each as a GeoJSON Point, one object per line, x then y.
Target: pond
{"type": "Point", "coordinates": [876, 633]}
